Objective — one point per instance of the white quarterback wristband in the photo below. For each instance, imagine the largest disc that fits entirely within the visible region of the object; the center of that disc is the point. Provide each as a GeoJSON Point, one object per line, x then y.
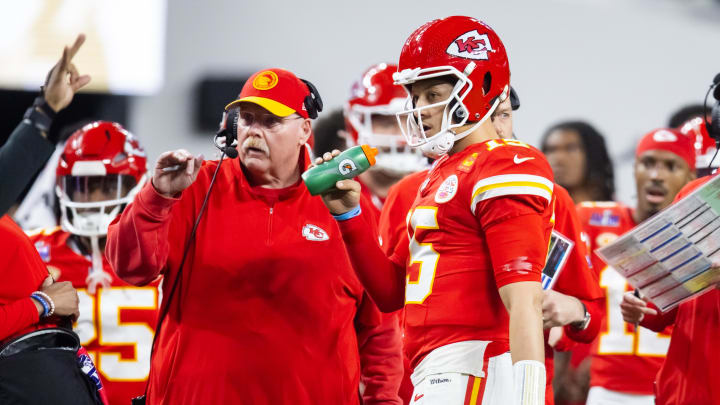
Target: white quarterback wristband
{"type": "Point", "coordinates": [529, 376]}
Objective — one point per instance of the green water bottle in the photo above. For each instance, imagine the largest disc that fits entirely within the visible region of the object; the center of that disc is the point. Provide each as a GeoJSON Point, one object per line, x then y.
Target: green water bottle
{"type": "Point", "coordinates": [346, 165]}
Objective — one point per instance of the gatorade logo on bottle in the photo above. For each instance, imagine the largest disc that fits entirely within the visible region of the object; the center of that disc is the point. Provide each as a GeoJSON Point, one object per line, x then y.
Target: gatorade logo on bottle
{"type": "Point", "coordinates": [346, 166]}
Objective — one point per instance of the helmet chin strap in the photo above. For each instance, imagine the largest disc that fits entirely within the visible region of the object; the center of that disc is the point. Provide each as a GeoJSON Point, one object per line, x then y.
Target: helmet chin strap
{"type": "Point", "coordinates": [97, 276]}
{"type": "Point", "coordinates": [441, 143]}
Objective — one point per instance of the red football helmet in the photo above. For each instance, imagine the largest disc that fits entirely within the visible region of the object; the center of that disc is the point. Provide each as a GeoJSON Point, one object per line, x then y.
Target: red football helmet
{"type": "Point", "coordinates": [376, 99]}
{"type": "Point", "coordinates": [100, 170]}
{"type": "Point", "coordinates": [704, 146]}
{"type": "Point", "coordinates": [465, 49]}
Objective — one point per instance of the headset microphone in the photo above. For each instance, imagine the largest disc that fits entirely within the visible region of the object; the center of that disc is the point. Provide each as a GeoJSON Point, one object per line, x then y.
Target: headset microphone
{"type": "Point", "coordinates": [229, 131]}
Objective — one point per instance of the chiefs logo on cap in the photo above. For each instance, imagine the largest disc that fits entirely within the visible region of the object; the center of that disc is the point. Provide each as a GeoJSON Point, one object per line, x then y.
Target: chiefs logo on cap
{"type": "Point", "coordinates": [471, 45]}
{"type": "Point", "coordinates": [265, 80]}
{"type": "Point", "coordinates": [664, 136]}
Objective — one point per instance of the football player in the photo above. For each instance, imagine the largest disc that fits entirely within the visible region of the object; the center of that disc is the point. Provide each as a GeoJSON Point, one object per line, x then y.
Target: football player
{"type": "Point", "coordinates": [468, 272]}
{"type": "Point", "coordinates": [99, 171]}
{"type": "Point", "coordinates": [625, 359]}
{"type": "Point", "coordinates": [370, 119]}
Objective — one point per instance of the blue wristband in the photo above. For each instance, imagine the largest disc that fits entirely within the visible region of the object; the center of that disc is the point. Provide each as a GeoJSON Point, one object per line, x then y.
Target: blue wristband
{"type": "Point", "coordinates": [45, 305]}
{"type": "Point", "coordinates": [350, 214]}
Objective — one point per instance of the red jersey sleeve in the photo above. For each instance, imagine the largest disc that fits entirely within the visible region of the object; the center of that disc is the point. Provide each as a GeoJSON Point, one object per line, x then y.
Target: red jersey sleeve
{"type": "Point", "coordinates": [137, 245]}
{"type": "Point", "coordinates": [383, 279]}
{"type": "Point", "coordinates": [380, 344]}
{"type": "Point", "coordinates": [511, 200]}
{"type": "Point", "coordinates": [16, 316]}
{"type": "Point", "coordinates": [659, 322]}
{"type": "Point", "coordinates": [22, 273]}
{"type": "Point", "coordinates": [577, 279]}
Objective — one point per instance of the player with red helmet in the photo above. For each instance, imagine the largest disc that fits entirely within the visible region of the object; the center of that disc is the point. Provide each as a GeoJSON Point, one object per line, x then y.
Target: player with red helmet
{"type": "Point", "coordinates": [625, 360]}
{"type": "Point", "coordinates": [468, 273]}
{"type": "Point", "coordinates": [370, 119]}
{"type": "Point", "coordinates": [100, 170]}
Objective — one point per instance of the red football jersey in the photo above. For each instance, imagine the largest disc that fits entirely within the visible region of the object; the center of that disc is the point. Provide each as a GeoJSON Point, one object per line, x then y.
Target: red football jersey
{"type": "Point", "coordinates": [453, 277]}
{"type": "Point", "coordinates": [624, 359]}
{"type": "Point", "coordinates": [116, 324]}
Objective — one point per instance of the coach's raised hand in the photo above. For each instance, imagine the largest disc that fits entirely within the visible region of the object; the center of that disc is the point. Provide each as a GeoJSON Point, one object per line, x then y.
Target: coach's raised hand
{"type": "Point", "coordinates": [175, 171]}
{"type": "Point", "coordinates": [63, 80]}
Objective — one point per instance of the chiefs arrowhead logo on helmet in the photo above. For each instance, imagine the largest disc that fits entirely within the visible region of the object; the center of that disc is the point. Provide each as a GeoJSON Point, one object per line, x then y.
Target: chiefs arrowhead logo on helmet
{"type": "Point", "coordinates": [471, 45]}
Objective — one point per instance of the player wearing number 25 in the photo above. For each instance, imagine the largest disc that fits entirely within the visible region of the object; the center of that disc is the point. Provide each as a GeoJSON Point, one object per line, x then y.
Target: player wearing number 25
{"type": "Point", "coordinates": [99, 172]}
{"type": "Point", "coordinates": [268, 309]}
{"type": "Point", "coordinates": [625, 360]}
{"type": "Point", "coordinates": [468, 270]}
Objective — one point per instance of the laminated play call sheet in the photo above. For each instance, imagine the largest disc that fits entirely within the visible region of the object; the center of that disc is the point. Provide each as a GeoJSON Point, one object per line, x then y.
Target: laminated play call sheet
{"type": "Point", "coordinates": [668, 256]}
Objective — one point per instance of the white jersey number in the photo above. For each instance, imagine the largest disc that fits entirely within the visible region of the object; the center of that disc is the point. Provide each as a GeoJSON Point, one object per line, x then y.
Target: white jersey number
{"type": "Point", "coordinates": [617, 339]}
{"type": "Point", "coordinates": [100, 319]}
{"type": "Point", "coordinates": [423, 253]}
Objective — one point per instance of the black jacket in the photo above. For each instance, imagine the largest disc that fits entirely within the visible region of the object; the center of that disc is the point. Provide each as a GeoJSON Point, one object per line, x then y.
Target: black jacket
{"type": "Point", "coordinates": [22, 156]}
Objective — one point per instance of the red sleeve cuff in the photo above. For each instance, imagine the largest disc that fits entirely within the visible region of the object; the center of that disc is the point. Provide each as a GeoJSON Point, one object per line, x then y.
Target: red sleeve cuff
{"type": "Point", "coordinates": [16, 316]}
{"type": "Point", "coordinates": [596, 309]}
{"type": "Point", "coordinates": [154, 203]}
{"type": "Point", "coordinates": [659, 322]}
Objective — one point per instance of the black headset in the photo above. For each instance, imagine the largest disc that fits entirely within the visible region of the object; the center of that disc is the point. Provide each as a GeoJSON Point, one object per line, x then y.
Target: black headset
{"type": "Point", "coordinates": [313, 105]}
{"type": "Point", "coordinates": [713, 126]}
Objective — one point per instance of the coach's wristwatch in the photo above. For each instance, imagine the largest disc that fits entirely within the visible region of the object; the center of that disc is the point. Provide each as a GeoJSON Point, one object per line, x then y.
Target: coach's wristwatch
{"type": "Point", "coordinates": [583, 324]}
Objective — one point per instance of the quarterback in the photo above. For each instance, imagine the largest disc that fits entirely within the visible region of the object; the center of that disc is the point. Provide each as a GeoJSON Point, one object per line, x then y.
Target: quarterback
{"type": "Point", "coordinates": [468, 271]}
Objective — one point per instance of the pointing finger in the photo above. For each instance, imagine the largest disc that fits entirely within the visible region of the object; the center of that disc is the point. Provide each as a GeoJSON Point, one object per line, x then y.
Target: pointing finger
{"type": "Point", "coordinates": [76, 46]}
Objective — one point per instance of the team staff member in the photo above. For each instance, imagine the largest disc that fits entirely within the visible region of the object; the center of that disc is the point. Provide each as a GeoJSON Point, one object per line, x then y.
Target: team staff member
{"type": "Point", "coordinates": [479, 228]}
{"type": "Point", "coordinates": [689, 373]}
{"type": "Point", "coordinates": [268, 308]}
{"type": "Point", "coordinates": [625, 361]}
{"type": "Point", "coordinates": [24, 274]}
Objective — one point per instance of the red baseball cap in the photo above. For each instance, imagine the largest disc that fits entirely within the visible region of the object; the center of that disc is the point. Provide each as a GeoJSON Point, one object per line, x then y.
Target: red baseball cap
{"type": "Point", "coordinates": [670, 140]}
{"type": "Point", "coordinates": [276, 90]}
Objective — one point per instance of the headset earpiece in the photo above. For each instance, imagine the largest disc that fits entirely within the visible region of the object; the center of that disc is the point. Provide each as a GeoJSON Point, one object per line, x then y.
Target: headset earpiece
{"type": "Point", "coordinates": [460, 113]}
{"type": "Point", "coordinates": [313, 102]}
